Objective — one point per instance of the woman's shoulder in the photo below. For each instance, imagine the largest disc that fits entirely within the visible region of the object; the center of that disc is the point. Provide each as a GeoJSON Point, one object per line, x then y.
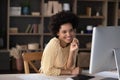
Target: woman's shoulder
{"type": "Point", "coordinates": [54, 42]}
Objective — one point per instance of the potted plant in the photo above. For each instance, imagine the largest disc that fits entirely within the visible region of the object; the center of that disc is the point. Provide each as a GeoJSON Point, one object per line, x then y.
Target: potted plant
{"type": "Point", "coordinates": [16, 52]}
{"type": "Point", "coordinates": [26, 7]}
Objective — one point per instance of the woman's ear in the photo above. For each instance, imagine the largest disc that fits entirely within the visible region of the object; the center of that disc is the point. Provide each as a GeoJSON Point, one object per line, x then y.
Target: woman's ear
{"type": "Point", "coordinates": [57, 33]}
{"type": "Point", "coordinates": [75, 30]}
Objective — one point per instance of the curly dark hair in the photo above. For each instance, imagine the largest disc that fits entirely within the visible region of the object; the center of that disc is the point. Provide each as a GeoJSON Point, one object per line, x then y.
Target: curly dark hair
{"type": "Point", "coordinates": [61, 18]}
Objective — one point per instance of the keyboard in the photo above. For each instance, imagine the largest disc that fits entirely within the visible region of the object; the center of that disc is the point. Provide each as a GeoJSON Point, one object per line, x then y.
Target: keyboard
{"type": "Point", "coordinates": [82, 77]}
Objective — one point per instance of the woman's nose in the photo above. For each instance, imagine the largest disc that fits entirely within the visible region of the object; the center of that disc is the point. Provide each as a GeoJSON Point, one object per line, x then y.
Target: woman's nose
{"type": "Point", "coordinates": [68, 33]}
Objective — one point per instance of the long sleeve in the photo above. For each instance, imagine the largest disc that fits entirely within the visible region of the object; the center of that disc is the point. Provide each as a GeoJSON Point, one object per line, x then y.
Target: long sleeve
{"type": "Point", "coordinates": [48, 59]}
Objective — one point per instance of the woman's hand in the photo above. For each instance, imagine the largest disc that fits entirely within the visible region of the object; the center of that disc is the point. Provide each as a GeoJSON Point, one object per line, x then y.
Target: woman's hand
{"type": "Point", "coordinates": [74, 45]}
{"type": "Point", "coordinates": [76, 71]}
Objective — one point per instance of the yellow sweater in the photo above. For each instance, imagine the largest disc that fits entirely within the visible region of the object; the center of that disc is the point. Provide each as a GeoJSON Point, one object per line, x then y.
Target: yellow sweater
{"type": "Point", "coordinates": [54, 58]}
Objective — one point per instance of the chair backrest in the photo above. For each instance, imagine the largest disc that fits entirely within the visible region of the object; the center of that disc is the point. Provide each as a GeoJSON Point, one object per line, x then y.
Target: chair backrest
{"type": "Point", "coordinates": [28, 57]}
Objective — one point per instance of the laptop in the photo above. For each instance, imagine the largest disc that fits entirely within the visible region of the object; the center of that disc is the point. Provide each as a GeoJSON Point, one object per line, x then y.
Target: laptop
{"type": "Point", "coordinates": [116, 52]}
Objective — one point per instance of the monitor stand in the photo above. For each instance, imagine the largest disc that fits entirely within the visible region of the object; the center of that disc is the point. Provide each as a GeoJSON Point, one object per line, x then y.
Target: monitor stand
{"type": "Point", "coordinates": [116, 52]}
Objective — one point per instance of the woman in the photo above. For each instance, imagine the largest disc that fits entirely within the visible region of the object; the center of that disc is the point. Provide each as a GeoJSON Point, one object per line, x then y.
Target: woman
{"type": "Point", "coordinates": [59, 55]}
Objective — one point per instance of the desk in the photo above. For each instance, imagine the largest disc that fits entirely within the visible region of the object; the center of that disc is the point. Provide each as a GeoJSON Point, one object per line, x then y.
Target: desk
{"type": "Point", "coordinates": [31, 77]}
{"type": "Point", "coordinates": [37, 77]}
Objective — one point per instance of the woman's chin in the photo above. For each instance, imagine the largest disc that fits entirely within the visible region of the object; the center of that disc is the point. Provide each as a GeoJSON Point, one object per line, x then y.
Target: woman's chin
{"type": "Point", "coordinates": [68, 41]}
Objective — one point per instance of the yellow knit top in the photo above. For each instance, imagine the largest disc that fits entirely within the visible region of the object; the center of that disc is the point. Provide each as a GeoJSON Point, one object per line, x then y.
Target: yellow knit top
{"type": "Point", "coordinates": [54, 58]}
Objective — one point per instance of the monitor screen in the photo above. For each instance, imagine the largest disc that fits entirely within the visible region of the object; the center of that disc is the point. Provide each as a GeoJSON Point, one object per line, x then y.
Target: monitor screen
{"type": "Point", "coordinates": [104, 40]}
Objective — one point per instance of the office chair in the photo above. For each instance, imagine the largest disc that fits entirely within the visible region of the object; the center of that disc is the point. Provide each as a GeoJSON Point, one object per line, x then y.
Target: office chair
{"type": "Point", "coordinates": [28, 59]}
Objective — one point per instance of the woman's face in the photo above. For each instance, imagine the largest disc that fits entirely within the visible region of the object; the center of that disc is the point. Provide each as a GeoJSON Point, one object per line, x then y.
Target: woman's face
{"type": "Point", "coordinates": [66, 33]}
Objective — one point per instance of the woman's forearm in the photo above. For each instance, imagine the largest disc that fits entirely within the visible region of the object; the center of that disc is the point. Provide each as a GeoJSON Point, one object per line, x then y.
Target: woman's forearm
{"type": "Point", "coordinates": [66, 72]}
{"type": "Point", "coordinates": [70, 61]}
{"type": "Point", "coordinates": [74, 71]}
{"type": "Point", "coordinates": [72, 54]}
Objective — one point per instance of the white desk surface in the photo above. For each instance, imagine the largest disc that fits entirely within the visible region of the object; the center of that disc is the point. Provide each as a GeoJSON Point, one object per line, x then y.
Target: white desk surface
{"type": "Point", "coordinates": [36, 76]}
{"type": "Point", "coordinates": [31, 77]}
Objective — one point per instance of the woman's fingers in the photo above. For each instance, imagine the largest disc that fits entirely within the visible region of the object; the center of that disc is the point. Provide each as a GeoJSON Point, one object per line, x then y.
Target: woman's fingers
{"type": "Point", "coordinates": [75, 41]}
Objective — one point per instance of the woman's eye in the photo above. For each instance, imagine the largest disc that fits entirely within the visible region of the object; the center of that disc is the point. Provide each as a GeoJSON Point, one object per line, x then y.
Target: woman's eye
{"type": "Point", "coordinates": [64, 32]}
{"type": "Point", "coordinates": [71, 30]}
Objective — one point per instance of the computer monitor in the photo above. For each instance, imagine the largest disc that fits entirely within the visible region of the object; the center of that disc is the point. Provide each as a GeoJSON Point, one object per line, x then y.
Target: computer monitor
{"type": "Point", "coordinates": [104, 40]}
